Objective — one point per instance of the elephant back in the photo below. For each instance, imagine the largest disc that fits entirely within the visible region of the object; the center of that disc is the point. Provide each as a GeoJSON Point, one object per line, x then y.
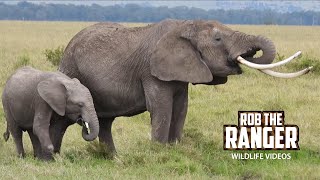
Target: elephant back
{"type": "Point", "coordinates": [102, 44]}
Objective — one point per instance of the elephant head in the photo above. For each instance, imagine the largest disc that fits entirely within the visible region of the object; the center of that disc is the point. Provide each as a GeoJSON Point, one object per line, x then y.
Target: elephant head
{"type": "Point", "coordinates": [68, 97]}
{"type": "Point", "coordinates": [206, 52]}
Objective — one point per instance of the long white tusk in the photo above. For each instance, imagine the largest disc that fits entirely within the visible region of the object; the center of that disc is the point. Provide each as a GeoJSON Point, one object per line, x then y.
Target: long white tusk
{"type": "Point", "coordinates": [267, 66]}
{"type": "Point", "coordinates": [286, 75]}
{"type": "Point", "coordinates": [87, 125]}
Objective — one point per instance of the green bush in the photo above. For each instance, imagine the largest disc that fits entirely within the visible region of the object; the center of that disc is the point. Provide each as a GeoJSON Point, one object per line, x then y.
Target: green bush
{"type": "Point", "coordinates": [23, 60]}
{"type": "Point", "coordinates": [54, 55]}
{"type": "Point", "coordinates": [301, 63]}
{"type": "Point", "coordinates": [304, 62]}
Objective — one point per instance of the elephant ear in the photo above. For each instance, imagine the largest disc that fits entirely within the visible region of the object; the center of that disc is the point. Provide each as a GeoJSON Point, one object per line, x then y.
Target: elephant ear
{"type": "Point", "coordinates": [53, 92]}
{"type": "Point", "coordinates": [175, 58]}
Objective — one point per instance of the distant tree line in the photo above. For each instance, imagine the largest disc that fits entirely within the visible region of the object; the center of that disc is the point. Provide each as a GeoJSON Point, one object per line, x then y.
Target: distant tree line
{"type": "Point", "coordinates": [136, 13]}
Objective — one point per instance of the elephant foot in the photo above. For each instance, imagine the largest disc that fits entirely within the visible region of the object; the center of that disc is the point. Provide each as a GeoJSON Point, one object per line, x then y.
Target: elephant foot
{"type": "Point", "coordinates": [47, 154]}
{"type": "Point", "coordinates": [22, 155]}
{"type": "Point", "coordinates": [174, 141]}
{"type": "Point", "coordinates": [160, 138]}
{"type": "Point", "coordinates": [56, 151]}
{"type": "Point", "coordinates": [110, 153]}
{"type": "Point", "coordinates": [104, 150]}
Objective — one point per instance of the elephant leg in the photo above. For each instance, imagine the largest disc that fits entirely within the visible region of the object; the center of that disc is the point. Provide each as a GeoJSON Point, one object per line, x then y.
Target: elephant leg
{"type": "Point", "coordinates": [180, 106]}
{"type": "Point", "coordinates": [58, 128]}
{"type": "Point", "coordinates": [17, 137]}
{"type": "Point", "coordinates": [35, 144]}
{"type": "Point", "coordinates": [160, 122]}
{"type": "Point", "coordinates": [45, 141]}
{"type": "Point", "coordinates": [105, 135]}
{"type": "Point", "coordinates": [16, 133]}
{"type": "Point", "coordinates": [159, 99]}
{"type": "Point", "coordinates": [41, 125]}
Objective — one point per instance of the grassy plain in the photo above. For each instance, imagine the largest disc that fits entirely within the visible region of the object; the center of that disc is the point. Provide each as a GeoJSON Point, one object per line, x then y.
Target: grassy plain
{"type": "Point", "coordinates": [200, 155]}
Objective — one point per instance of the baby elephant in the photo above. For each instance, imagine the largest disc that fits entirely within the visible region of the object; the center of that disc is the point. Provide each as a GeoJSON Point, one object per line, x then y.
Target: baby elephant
{"type": "Point", "coordinates": [44, 104]}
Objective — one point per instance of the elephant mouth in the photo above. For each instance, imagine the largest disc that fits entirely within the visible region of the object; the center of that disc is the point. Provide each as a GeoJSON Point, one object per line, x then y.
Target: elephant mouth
{"type": "Point", "coordinates": [216, 81]}
{"type": "Point", "coordinates": [233, 63]}
{"type": "Point", "coordinates": [84, 124]}
{"type": "Point", "coordinates": [249, 53]}
{"type": "Point", "coordinates": [79, 120]}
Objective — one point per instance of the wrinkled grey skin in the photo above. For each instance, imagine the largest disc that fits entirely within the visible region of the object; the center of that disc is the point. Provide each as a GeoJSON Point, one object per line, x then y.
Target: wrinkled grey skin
{"type": "Point", "coordinates": [44, 104]}
{"type": "Point", "coordinates": [131, 70]}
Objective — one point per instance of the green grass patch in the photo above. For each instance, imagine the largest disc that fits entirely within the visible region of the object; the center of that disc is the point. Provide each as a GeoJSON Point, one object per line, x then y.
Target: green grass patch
{"type": "Point", "coordinates": [302, 62]}
{"type": "Point", "coordinates": [306, 61]}
{"type": "Point", "coordinates": [23, 60]}
{"type": "Point", "coordinates": [54, 55]}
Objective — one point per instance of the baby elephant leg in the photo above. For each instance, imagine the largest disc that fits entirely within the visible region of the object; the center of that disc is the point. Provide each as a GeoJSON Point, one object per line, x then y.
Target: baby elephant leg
{"type": "Point", "coordinates": [45, 142]}
{"type": "Point", "coordinates": [16, 133]}
{"type": "Point", "coordinates": [17, 137]}
{"type": "Point", "coordinates": [35, 144]}
{"type": "Point", "coordinates": [41, 125]}
{"type": "Point", "coordinates": [58, 127]}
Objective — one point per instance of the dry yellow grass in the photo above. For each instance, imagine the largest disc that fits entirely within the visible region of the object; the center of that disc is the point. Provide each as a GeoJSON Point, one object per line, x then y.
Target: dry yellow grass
{"type": "Point", "coordinates": [288, 39]}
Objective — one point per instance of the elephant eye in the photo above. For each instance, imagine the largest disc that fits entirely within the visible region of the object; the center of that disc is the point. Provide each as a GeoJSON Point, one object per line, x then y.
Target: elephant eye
{"type": "Point", "coordinates": [217, 38]}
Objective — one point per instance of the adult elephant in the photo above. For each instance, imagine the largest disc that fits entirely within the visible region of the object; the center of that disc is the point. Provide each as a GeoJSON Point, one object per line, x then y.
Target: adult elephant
{"type": "Point", "coordinates": [131, 70]}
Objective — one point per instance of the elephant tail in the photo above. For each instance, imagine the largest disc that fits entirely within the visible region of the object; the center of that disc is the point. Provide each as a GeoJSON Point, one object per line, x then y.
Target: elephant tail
{"type": "Point", "coordinates": [6, 134]}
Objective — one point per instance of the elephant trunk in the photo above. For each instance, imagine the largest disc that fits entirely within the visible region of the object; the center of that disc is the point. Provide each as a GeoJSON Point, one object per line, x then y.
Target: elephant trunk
{"type": "Point", "coordinates": [90, 118]}
{"type": "Point", "coordinates": [267, 47]}
{"type": "Point", "coordinates": [246, 46]}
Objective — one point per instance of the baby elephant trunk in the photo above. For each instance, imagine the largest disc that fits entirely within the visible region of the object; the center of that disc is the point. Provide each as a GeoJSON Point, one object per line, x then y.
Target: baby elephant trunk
{"type": "Point", "coordinates": [90, 126]}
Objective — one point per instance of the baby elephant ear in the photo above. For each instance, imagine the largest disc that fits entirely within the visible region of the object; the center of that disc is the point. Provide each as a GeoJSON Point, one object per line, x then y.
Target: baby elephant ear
{"type": "Point", "coordinates": [175, 58]}
{"type": "Point", "coordinates": [54, 93]}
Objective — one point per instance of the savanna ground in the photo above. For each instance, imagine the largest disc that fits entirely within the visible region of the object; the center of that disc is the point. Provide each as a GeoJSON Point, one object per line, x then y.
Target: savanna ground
{"type": "Point", "coordinates": [200, 155]}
